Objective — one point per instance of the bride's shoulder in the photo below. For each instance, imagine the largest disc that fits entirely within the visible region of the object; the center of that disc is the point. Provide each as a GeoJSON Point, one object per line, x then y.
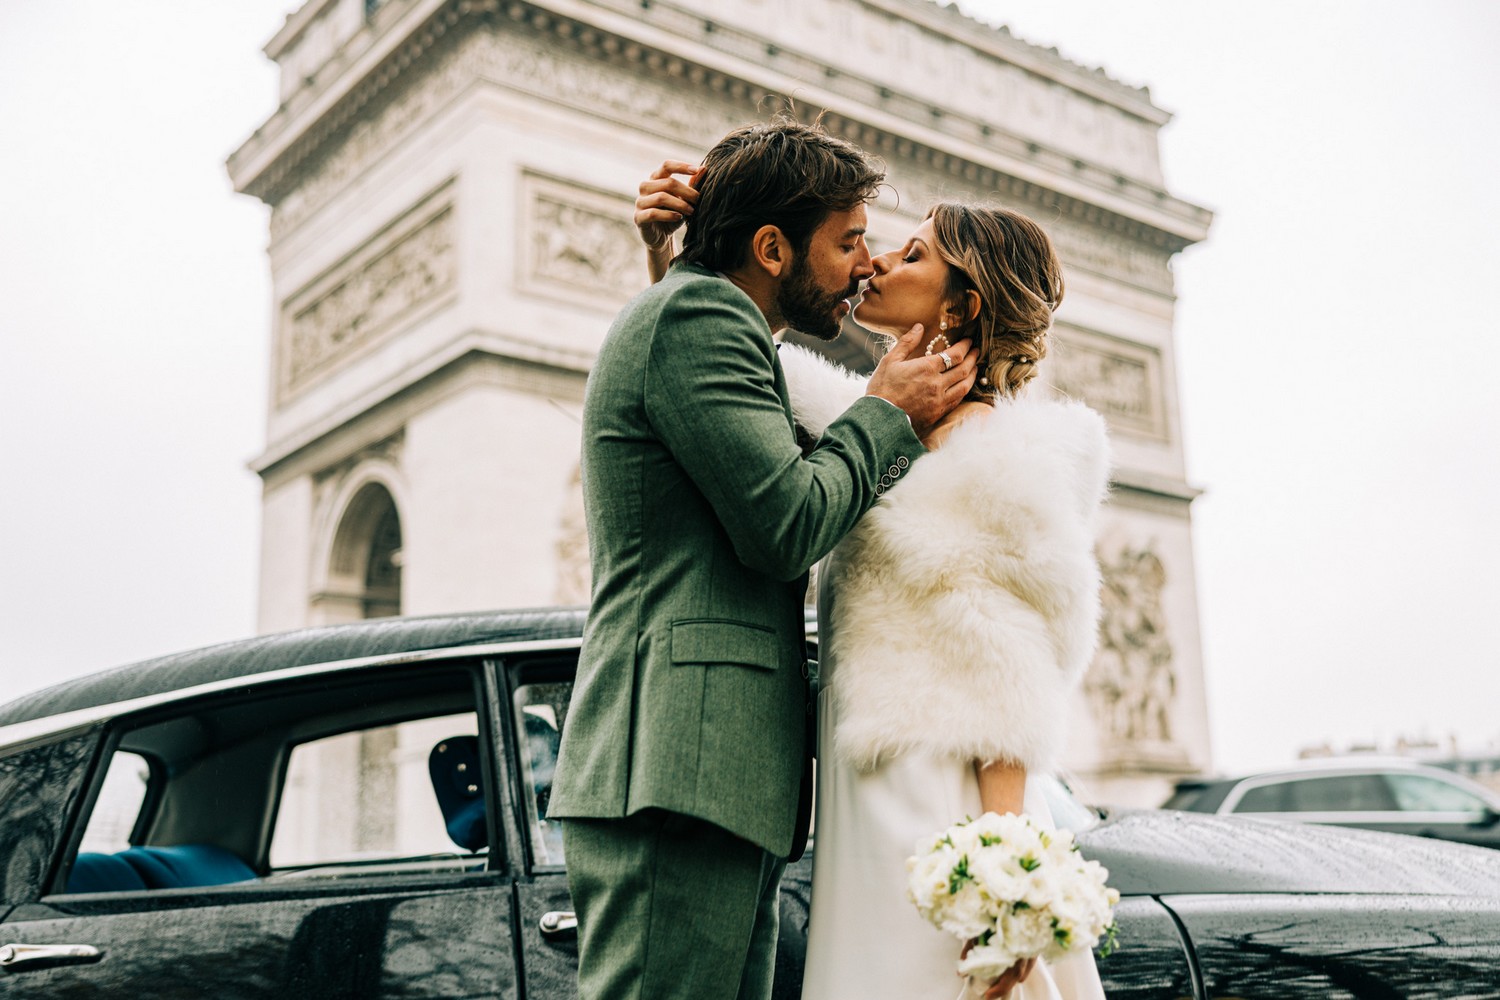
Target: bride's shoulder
{"type": "Point", "coordinates": [1026, 436]}
{"type": "Point", "coordinates": [1030, 416]}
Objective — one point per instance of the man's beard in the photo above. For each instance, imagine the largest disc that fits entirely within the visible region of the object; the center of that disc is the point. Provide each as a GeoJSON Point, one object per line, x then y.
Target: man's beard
{"type": "Point", "coordinates": [808, 309]}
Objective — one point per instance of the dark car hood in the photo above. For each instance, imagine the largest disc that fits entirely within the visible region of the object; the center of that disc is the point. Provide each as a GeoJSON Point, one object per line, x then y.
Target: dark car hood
{"type": "Point", "coordinates": [1166, 852]}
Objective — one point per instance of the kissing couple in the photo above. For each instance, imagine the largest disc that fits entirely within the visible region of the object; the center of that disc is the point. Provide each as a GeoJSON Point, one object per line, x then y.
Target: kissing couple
{"type": "Point", "coordinates": [958, 599]}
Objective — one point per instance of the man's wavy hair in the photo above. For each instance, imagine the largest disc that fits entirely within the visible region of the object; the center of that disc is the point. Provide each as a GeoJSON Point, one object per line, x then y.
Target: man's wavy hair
{"type": "Point", "coordinates": [779, 173]}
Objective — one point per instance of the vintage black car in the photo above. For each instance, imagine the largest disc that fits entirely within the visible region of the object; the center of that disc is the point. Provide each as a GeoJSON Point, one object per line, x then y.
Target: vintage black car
{"type": "Point", "coordinates": [359, 811]}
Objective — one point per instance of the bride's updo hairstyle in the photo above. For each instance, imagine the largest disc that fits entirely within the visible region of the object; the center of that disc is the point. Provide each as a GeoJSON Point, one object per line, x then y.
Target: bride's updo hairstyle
{"type": "Point", "coordinates": [1009, 261]}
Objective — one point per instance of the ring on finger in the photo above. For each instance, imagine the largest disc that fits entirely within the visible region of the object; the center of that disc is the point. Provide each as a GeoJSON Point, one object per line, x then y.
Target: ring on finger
{"type": "Point", "coordinates": [947, 360]}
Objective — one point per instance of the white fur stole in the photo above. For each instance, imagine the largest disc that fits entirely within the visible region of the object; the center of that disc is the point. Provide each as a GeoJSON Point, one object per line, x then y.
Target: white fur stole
{"type": "Point", "coordinates": [967, 600]}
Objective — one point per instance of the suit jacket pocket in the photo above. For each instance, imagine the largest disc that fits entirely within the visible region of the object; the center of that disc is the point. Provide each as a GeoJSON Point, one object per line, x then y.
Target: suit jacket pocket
{"type": "Point", "coordinates": [712, 640]}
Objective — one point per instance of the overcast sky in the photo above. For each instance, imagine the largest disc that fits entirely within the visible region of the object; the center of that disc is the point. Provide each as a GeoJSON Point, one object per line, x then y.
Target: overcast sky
{"type": "Point", "coordinates": [1336, 342]}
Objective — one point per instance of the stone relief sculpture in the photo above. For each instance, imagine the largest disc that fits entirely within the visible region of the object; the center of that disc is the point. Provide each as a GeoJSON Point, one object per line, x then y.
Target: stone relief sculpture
{"type": "Point", "coordinates": [583, 249]}
{"type": "Point", "coordinates": [414, 269]}
{"type": "Point", "coordinates": [1117, 378]}
{"type": "Point", "coordinates": [1132, 684]}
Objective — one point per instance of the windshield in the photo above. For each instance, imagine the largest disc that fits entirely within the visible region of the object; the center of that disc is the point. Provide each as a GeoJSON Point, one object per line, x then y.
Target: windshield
{"type": "Point", "coordinates": [1067, 812]}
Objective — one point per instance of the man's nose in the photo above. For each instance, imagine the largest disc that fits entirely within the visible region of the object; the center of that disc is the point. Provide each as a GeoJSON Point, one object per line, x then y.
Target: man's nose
{"type": "Point", "coordinates": [863, 268]}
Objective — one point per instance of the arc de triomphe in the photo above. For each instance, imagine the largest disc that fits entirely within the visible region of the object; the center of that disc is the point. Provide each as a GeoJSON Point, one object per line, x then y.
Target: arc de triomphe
{"type": "Point", "coordinates": [450, 185]}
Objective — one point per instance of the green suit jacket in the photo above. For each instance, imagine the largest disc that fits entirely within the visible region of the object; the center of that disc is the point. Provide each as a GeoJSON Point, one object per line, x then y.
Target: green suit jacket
{"type": "Point", "coordinates": [704, 517]}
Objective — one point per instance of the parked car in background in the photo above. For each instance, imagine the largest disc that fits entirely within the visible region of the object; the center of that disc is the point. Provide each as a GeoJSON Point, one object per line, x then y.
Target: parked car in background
{"type": "Point", "coordinates": [359, 812]}
{"type": "Point", "coordinates": [1390, 795]}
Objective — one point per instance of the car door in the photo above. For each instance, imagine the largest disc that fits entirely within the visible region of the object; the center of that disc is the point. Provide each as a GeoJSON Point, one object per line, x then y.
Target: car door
{"type": "Point", "coordinates": [351, 910]}
{"type": "Point", "coordinates": [1436, 806]}
{"type": "Point", "coordinates": [538, 689]}
{"type": "Point", "coordinates": [1329, 946]}
{"type": "Point", "coordinates": [1150, 959]}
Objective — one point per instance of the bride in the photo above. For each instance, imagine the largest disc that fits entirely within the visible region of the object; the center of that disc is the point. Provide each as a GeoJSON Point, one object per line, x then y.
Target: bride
{"type": "Point", "coordinates": [958, 614]}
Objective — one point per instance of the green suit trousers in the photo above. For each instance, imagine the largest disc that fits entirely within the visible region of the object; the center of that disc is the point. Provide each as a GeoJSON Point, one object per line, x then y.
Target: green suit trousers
{"type": "Point", "coordinates": [672, 908]}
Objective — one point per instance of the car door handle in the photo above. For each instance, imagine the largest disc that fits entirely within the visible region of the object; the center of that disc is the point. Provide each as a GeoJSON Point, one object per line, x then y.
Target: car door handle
{"type": "Point", "coordinates": [18, 957]}
{"type": "Point", "coordinates": [559, 923]}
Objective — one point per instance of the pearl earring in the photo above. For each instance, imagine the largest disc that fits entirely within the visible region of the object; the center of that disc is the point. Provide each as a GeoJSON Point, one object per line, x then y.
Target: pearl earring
{"type": "Point", "coordinates": [932, 344]}
{"type": "Point", "coordinates": [943, 325]}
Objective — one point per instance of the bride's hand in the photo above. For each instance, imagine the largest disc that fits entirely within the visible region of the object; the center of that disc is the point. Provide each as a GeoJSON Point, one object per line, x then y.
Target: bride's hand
{"type": "Point", "coordinates": [665, 202]}
{"type": "Point", "coordinates": [1009, 979]}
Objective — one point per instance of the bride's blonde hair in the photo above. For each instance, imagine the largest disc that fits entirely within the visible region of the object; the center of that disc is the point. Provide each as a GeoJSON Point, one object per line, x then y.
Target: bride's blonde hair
{"type": "Point", "coordinates": [1008, 260]}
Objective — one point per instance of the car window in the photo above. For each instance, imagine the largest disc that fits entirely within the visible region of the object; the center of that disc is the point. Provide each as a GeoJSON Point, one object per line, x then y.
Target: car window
{"type": "Point", "coordinates": [1421, 793]}
{"type": "Point", "coordinates": [1183, 797]}
{"type": "Point", "coordinates": [540, 710]}
{"type": "Point", "coordinates": [1067, 812]}
{"type": "Point", "coordinates": [39, 786]}
{"type": "Point", "coordinates": [118, 807]}
{"type": "Point", "coordinates": [1263, 798]}
{"type": "Point", "coordinates": [368, 795]}
{"type": "Point", "coordinates": [1331, 793]}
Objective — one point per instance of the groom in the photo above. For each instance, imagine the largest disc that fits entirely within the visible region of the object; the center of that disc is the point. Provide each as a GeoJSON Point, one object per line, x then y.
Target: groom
{"type": "Point", "coordinates": [684, 752]}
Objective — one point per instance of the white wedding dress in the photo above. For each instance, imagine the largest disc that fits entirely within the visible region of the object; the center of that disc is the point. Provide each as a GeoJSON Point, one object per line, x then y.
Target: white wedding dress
{"type": "Point", "coordinates": [956, 619]}
{"type": "Point", "coordinates": [867, 941]}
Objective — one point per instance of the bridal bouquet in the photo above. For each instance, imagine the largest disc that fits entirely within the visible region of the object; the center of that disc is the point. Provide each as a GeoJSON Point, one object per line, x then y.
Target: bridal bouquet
{"type": "Point", "coordinates": [1017, 890]}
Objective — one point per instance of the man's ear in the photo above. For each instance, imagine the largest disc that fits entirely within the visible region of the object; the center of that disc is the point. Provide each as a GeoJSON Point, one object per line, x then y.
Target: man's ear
{"type": "Point", "coordinates": [771, 251]}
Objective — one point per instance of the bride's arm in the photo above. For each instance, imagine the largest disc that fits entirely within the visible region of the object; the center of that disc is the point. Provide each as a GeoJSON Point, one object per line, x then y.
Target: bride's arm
{"type": "Point", "coordinates": [1002, 789]}
{"type": "Point", "coordinates": [663, 204]}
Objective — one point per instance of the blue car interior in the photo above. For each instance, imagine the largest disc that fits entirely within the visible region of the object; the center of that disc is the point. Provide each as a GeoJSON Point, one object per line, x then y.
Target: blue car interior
{"type": "Point", "coordinates": [176, 867]}
{"type": "Point", "coordinates": [454, 768]}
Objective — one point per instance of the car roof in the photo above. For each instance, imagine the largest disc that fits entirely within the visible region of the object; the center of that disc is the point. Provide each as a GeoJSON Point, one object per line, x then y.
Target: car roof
{"type": "Point", "coordinates": [302, 647]}
{"type": "Point", "coordinates": [1314, 767]}
{"type": "Point", "coordinates": [1354, 764]}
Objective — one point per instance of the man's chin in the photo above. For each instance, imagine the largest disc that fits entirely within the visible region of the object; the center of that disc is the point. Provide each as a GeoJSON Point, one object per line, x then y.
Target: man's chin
{"type": "Point", "coordinates": [827, 333]}
{"type": "Point", "coordinates": [832, 325]}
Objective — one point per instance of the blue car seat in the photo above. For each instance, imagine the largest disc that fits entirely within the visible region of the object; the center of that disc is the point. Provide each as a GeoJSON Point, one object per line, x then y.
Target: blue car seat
{"type": "Point", "coordinates": [94, 872]}
{"type": "Point", "coordinates": [179, 866]}
{"type": "Point", "coordinates": [454, 767]}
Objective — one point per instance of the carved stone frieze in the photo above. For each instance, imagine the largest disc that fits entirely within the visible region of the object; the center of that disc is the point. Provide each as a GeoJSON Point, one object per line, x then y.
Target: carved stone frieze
{"type": "Point", "coordinates": [413, 262]}
{"type": "Point", "coordinates": [578, 242]}
{"type": "Point", "coordinates": [373, 135]}
{"type": "Point", "coordinates": [599, 88]}
{"type": "Point", "coordinates": [1079, 244]}
{"type": "Point", "coordinates": [1113, 256]}
{"type": "Point", "coordinates": [1132, 684]}
{"type": "Point", "coordinates": [611, 89]}
{"type": "Point", "coordinates": [969, 72]}
{"type": "Point", "coordinates": [1119, 378]}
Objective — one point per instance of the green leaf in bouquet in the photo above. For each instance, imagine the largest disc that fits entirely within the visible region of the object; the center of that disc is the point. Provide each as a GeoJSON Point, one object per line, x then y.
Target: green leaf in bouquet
{"type": "Point", "coordinates": [1061, 935]}
{"type": "Point", "coordinates": [1110, 944]}
{"type": "Point", "coordinates": [959, 876]}
{"type": "Point", "coordinates": [1029, 863]}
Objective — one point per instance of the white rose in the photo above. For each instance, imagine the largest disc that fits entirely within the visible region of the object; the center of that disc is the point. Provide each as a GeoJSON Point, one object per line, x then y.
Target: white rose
{"type": "Point", "coordinates": [967, 914]}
